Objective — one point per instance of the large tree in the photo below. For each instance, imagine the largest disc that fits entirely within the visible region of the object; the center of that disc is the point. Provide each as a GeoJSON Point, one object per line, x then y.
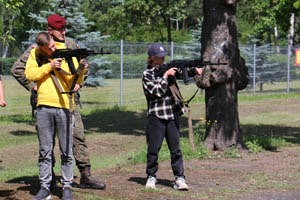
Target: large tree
{"type": "Point", "coordinates": [10, 9]}
{"type": "Point", "coordinates": [133, 14]}
{"type": "Point", "coordinates": [222, 83]}
{"type": "Point", "coordinates": [265, 15]}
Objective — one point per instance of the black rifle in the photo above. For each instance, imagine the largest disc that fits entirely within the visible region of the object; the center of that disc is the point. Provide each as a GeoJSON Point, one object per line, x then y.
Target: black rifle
{"type": "Point", "coordinates": [78, 53]}
{"type": "Point", "coordinates": [33, 101]}
{"type": "Point", "coordinates": [186, 67]}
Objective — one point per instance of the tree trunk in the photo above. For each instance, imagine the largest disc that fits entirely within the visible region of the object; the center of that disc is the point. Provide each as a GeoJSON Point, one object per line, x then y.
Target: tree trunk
{"type": "Point", "coordinates": [6, 44]}
{"type": "Point", "coordinates": [168, 23]}
{"type": "Point", "coordinates": [276, 39]}
{"type": "Point", "coordinates": [222, 82]}
{"type": "Point", "coordinates": [5, 29]}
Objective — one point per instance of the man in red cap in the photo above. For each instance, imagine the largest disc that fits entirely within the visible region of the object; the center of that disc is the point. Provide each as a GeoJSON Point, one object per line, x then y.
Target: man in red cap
{"type": "Point", "coordinates": [57, 28]}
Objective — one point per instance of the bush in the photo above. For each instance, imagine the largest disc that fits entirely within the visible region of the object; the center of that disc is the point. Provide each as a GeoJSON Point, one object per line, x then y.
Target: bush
{"type": "Point", "coordinates": [256, 144]}
{"type": "Point", "coordinates": [6, 64]}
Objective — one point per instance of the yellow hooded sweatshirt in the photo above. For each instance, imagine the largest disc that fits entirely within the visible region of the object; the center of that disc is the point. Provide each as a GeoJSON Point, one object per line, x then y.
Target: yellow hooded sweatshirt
{"type": "Point", "coordinates": [48, 93]}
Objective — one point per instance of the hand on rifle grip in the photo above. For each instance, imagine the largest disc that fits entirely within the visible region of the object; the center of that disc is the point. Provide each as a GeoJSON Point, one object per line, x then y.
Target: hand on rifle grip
{"type": "Point", "coordinates": [198, 70]}
{"type": "Point", "coordinates": [84, 62]}
{"type": "Point", "coordinates": [56, 63]}
{"type": "Point", "coordinates": [171, 72]}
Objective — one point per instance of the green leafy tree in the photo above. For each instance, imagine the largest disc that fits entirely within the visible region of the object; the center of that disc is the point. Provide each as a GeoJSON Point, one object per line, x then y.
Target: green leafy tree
{"type": "Point", "coordinates": [10, 9]}
{"type": "Point", "coordinates": [152, 15]}
{"type": "Point", "coordinates": [264, 15]}
{"type": "Point", "coordinates": [94, 11]}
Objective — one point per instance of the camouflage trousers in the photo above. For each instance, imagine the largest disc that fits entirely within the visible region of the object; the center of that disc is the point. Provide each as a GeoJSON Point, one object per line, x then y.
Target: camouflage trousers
{"type": "Point", "coordinates": [80, 148]}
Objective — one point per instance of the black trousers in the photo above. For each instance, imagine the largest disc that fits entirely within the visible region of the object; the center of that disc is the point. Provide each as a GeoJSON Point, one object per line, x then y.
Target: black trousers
{"type": "Point", "coordinates": [156, 130]}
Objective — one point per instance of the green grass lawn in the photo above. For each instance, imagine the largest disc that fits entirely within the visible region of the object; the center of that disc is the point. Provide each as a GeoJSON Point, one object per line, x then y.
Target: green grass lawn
{"type": "Point", "coordinates": [106, 122]}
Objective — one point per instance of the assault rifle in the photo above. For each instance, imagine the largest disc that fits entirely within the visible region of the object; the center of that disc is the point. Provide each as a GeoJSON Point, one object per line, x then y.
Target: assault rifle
{"type": "Point", "coordinates": [78, 53]}
{"type": "Point", "coordinates": [33, 102]}
{"type": "Point", "coordinates": [186, 68]}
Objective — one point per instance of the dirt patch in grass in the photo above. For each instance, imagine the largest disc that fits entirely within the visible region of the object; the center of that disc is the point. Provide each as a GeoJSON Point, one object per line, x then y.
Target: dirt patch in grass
{"type": "Point", "coordinates": [268, 175]}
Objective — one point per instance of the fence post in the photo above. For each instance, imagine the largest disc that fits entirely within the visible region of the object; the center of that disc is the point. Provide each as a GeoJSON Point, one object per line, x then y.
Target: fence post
{"type": "Point", "coordinates": [288, 69]}
{"type": "Point", "coordinates": [121, 78]}
{"type": "Point", "coordinates": [254, 68]}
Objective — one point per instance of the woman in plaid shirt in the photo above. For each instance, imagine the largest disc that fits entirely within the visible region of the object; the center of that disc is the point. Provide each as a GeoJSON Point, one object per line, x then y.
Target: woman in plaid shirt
{"type": "Point", "coordinates": [162, 117]}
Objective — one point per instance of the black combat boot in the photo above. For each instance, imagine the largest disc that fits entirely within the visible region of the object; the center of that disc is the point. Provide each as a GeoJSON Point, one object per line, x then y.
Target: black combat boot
{"type": "Point", "coordinates": [87, 181]}
{"type": "Point", "coordinates": [53, 185]}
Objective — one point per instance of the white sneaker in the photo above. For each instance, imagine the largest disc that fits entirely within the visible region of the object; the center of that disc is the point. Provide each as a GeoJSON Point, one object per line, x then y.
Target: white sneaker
{"type": "Point", "coordinates": [151, 181]}
{"type": "Point", "coordinates": [180, 184]}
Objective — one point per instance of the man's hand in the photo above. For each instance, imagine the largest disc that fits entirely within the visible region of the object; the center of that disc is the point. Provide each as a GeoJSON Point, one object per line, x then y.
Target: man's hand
{"type": "Point", "coordinates": [56, 63]}
{"type": "Point", "coordinates": [84, 62]}
{"type": "Point", "coordinates": [2, 103]}
{"type": "Point", "coordinates": [76, 88]}
{"type": "Point", "coordinates": [34, 88]}
{"type": "Point", "coordinates": [171, 72]}
{"type": "Point", "coordinates": [198, 70]}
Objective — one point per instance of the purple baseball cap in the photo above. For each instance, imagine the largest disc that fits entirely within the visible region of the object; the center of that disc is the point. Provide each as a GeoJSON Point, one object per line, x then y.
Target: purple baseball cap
{"type": "Point", "coordinates": [157, 50]}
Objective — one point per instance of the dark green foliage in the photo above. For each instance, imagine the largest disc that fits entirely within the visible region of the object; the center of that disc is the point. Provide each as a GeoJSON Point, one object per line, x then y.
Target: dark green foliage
{"type": "Point", "coordinates": [6, 64]}
{"type": "Point", "coordinates": [256, 144]}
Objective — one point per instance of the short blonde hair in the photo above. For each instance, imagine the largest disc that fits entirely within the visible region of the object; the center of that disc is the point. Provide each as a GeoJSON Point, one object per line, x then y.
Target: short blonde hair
{"type": "Point", "coordinates": [43, 39]}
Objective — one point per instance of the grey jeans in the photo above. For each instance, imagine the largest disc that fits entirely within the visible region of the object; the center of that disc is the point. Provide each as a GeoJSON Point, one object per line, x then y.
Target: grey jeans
{"type": "Point", "coordinates": [50, 119]}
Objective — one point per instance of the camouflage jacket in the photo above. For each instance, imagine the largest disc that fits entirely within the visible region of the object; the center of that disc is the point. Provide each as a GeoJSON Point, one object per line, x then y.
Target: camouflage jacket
{"type": "Point", "coordinates": [18, 68]}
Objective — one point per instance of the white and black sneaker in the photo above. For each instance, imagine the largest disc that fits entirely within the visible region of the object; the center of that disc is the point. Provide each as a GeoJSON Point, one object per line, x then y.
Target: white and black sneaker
{"type": "Point", "coordinates": [43, 194]}
{"type": "Point", "coordinates": [151, 181]}
{"type": "Point", "coordinates": [180, 184]}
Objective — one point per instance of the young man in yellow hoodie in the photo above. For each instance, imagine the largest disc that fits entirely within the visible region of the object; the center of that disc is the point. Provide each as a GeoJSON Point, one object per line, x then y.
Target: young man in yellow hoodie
{"type": "Point", "coordinates": [54, 111]}
{"type": "Point", "coordinates": [57, 29]}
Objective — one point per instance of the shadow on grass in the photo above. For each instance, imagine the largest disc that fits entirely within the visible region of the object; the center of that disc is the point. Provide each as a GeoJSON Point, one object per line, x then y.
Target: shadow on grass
{"type": "Point", "coordinates": [289, 134]}
{"type": "Point", "coordinates": [23, 133]}
{"type": "Point", "coordinates": [121, 121]}
{"type": "Point", "coordinates": [142, 181]}
{"type": "Point", "coordinates": [115, 119]}
{"type": "Point", "coordinates": [110, 120]}
{"type": "Point", "coordinates": [6, 193]}
{"type": "Point", "coordinates": [32, 185]}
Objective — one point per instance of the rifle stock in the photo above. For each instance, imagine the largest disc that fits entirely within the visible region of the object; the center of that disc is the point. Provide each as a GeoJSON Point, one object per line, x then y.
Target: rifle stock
{"type": "Point", "coordinates": [33, 102]}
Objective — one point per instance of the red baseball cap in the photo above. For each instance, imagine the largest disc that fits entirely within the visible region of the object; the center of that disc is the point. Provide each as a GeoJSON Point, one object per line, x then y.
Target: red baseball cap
{"type": "Point", "coordinates": [56, 21]}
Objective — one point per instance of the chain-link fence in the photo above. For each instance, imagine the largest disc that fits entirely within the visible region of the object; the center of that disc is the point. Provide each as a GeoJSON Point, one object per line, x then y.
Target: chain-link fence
{"type": "Point", "coordinates": [271, 69]}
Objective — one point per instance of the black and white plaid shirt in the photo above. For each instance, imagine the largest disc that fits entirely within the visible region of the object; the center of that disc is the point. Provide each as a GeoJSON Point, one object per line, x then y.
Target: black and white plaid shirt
{"type": "Point", "coordinates": [159, 97]}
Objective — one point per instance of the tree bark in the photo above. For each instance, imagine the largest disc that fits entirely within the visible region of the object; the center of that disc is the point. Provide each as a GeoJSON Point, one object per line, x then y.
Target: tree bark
{"type": "Point", "coordinates": [276, 39]}
{"type": "Point", "coordinates": [5, 29]}
{"type": "Point", "coordinates": [6, 44]}
{"type": "Point", "coordinates": [168, 24]}
{"type": "Point", "coordinates": [222, 82]}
